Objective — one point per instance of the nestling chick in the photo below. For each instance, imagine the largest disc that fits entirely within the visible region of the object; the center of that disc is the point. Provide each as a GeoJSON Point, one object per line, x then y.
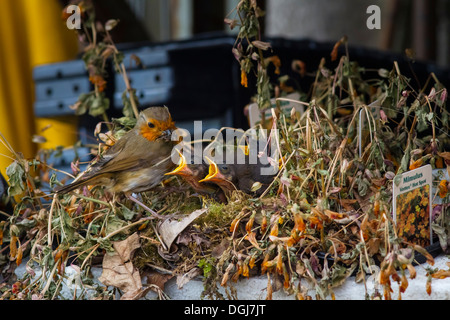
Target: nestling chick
{"type": "Point", "coordinates": [193, 173]}
{"type": "Point", "coordinates": [235, 176]}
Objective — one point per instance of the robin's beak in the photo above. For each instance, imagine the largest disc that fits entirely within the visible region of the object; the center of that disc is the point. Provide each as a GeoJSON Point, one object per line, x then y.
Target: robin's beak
{"type": "Point", "coordinates": [214, 174]}
{"type": "Point", "coordinates": [182, 169]}
{"type": "Point", "coordinates": [166, 134]}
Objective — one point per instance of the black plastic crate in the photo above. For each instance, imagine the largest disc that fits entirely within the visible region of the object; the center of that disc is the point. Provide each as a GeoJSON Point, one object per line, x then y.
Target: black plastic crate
{"type": "Point", "coordinates": [199, 79]}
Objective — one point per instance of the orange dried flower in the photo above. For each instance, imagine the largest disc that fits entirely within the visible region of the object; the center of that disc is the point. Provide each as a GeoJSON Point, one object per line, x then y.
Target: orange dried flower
{"type": "Point", "coordinates": [268, 264]}
{"type": "Point", "coordinates": [236, 275]}
{"type": "Point", "coordinates": [376, 208]}
{"type": "Point", "coordinates": [225, 277]}
{"type": "Point", "coordinates": [428, 286]}
{"type": "Point", "coordinates": [143, 225]}
{"type": "Point", "coordinates": [293, 239]}
{"type": "Point", "coordinates": [19, 256]}
{"type": "Point", "coordinates": [245, 270]}
{"type": "Point", "coordinates": [276, 62]}
{"type": "Point", "coordinates": [251, 262]}
{"type": "Point", "coordinates": [244, 80]}
{"type": "Point", "coordinates": [387, 292]}
{"type": "Point", "coordinates": [98, 81]}
{"type": "Point", "coordinates": [13, 246]}
{"type": "Point", "coordinates": [264, 224]}
{"type": "Point", "coordinates": [279, 267]}
{"type": "Point", "coordinates": [416, 164]}
{"type": "Point", "coordinates": [443, 188]}
{"type": "Point", "coordinates": [299, 223]}
{"type": "Point", "coordinates": [333, 215]}
{"type": "Point", "coordinates": [315, 222]}
{"type": "Point", "coordinates": [274, 230]}
{"type": "Point", "coordinates": [249, 224]}
{"type": "Point", "coordinates": [234, 225]}
{"type": "Point", "coordinates": [252, 238]}
{"type": "Point", "coordinates": [334, 52]}
{"type": "Point", "coordinates": [403, 283]}
{"type": "Point", "coordinates": [287, 281]}
{"type": "Point", "coordinates": [441, 274]}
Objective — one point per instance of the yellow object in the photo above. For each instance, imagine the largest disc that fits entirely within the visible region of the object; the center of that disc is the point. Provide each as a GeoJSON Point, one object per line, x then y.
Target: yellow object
{"type": "Point", "coordinates": [31, 33]}
{"type": "Point", "coordinates": [58, 131]}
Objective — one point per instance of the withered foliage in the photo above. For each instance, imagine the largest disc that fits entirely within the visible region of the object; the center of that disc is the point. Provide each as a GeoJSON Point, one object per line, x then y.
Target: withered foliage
{"type": "Point", "coordinates": [326, 216]}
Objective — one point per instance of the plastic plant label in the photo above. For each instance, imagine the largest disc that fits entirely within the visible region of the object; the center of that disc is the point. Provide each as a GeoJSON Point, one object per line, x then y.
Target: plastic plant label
{"type": "Point", "coordinates": [412, 205]}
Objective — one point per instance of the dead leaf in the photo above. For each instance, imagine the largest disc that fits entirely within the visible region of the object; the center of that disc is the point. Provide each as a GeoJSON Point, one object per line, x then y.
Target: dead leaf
{"type": "Point", "coordinates": [252, 238]}
{"type": "Point", "coordinates": [110, 24]}
{"type": "Point", "coordinates": [190, 235]}
{"type": "Point", "coordinates": [261, 45]}
{"type": "Point", "coordinates": [231, 22]}
{"type": "Point", "coordinates": [334, 52]}
{"type": "Point", "coordinates": [188, 276]}
{"type": "Point", "coordinates": [425, 253]}
{"type": "Point", "coordinates": [118, 270]}
{"type": "Point", "coordinates": [171, 228]}
{"type": "Point", "coordinates": [218, 250]}
{"type": "Point", "coordinates": [157, 279]}
{"type": "Point", "coordinates": [441, 274]}
{"type": "Point", "coordinates": [373, 245]}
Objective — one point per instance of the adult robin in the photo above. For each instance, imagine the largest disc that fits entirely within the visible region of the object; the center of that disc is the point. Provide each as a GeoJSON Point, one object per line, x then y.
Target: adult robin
{"type": "Point", "coordinates": [192, 173]}
{"type": "Point", "coordinates": [237, 176]}
{"type": "Point", "coordinates": [138, 161]}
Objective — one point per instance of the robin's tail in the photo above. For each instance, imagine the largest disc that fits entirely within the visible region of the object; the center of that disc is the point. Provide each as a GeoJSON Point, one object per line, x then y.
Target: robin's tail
{"type": "Point", "coordinates": [74, 185]}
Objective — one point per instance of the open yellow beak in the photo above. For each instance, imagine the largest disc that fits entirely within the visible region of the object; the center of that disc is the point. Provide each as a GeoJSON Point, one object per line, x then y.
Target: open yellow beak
{"type": "Point", "coordinates": [280, 162]}
{"type": "Point", "coordinates": [245, 149]}
{"type": "Point", "coordinates": [182, 169]}
{"type": "Point", "coordinates": [213, 172]}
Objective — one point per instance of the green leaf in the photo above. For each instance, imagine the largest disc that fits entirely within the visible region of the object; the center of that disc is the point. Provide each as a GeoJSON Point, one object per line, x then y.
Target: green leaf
{"type": "Point", "coordinates": [323, 172]}
{"type": "Point", "coordinates": [398, 179]}
{"type": "Point", "coordinates": [127, 213]}
{"type": "Point", "coordinates": [206, 266]}
{"type": "Point", "coordinates": [67, 225]}
{"type": "Point", "coordinates": [16, 174]}
{"type": "Point", "coordinates": [99, 106]}
{"type": "Point", "coordinates": [127, 106]}
{"type": "Point", "coordinates": [54, 180]}
{"type": "Point", "coordinates": [114, 223]}
{"type": "Point", "coordinates": [128, 122]}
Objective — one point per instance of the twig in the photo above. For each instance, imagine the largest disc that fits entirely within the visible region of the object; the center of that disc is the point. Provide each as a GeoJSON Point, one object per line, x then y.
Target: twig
{"type": "Point", "coordinates": [50, 218]}
{"type": "Point", "coordinates": [49, 280]}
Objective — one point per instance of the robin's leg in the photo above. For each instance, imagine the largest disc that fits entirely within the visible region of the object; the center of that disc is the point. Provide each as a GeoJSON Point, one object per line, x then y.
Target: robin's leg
{"type": "Point", "coordinates": [139, 203]}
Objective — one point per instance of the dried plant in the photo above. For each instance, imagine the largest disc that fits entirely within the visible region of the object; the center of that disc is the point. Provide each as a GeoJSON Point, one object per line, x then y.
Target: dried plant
{"type": "Point", "coordinates": [325, 217]}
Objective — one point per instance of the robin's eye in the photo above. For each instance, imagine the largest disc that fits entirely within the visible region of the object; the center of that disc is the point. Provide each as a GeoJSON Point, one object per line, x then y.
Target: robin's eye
{"type": "Point", "coordinates": [150, 125]}
{"type": "Point", "coordinates": [224, 168]}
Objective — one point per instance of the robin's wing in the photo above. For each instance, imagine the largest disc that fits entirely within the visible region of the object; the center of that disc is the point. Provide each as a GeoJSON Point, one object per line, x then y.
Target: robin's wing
{"type": "Point", "coordinates": [122, 157]}
{"type": "Point", "coordinates": [134, 154]}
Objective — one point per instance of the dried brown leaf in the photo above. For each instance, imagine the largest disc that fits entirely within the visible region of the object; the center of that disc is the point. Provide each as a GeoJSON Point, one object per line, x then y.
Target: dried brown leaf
{"type": "Point", "coordinates": [157, 279]}
{"type": "Point", "coordinates": [261, 44]}
{"type": "Point", "coordinates": [118, 270]}
{"type": "Point", "coordinates": [186, 277]}
{"type": "Point", "coordinates": [171, 228]}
